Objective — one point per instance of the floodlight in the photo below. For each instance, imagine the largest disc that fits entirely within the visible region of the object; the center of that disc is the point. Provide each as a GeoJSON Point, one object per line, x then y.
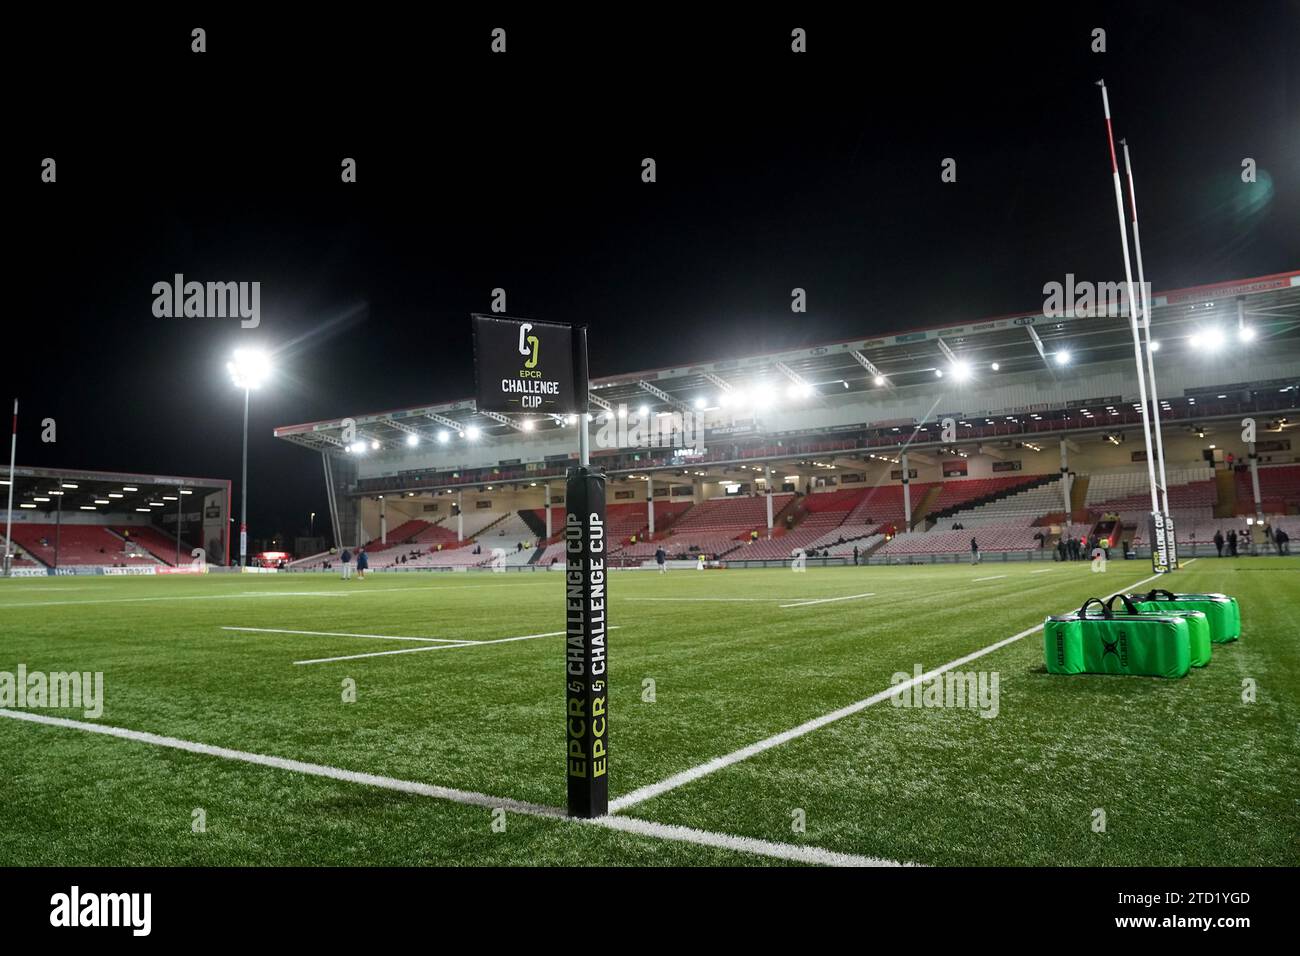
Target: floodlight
{"type": "Point", "coordinates": [528, 425]}
{"type": "Point", "coordinates": [995, 366]}
{"type": "Point", "coordinates": [701, 403]}
{"type": "Point", "coordinates": [249, 368]}
{"type": "Point", "coordinates": [879, 380]}
{"type": "Point", "coordinates": [443, 437]}
{"type": "Point", "coordinates": [643, 411]}
{"type": "Point", "coordinates": [938, 373]}
{"type": "Point", "coordinates": [412, 440]}
{"type": "Point", "coordinates": [374, 445]}
{"type": "Point", "coordinates": [472, 432]}
{"type": "Point", "coordinates": [1062, 356]}
{"type": "Point", "coordinates": [960, 370]}
{"type": "Point", "coordinates": [1246, 333]}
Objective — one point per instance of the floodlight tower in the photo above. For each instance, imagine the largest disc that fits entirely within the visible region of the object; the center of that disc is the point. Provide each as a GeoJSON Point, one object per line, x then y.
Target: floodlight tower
{"type": "Point", "coordinates": [249, 369]}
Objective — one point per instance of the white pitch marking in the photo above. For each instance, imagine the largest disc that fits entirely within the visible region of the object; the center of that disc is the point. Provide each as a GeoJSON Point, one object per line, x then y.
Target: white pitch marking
{"type": "Point", "coordinates": [1044, 571]}
{"type": "Point", "coordinates": [727, 599]}
{"type": "Point", "coordinates": [377, 637]}
{"type": "Point", "coordinates": [991, 578]}
{"type": "Point", "coordinates": [744, 753]}
{"type": "Point", "coordinates": [440, 647]}
{"type": "Point", "coordinates": [847, 597]}
{"type": "Point", "coordinates": [645, 828]}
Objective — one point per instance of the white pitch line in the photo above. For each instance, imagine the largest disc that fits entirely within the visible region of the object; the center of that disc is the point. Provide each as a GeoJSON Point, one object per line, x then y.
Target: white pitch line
{"type": "Point", "coordinates": [376, 637]}
{"type": "Point", "coordinates": [847, 597]}
{"type": "Point", "coordinates": [723, 599]}
{"type": "Point", "coordinates": [991, 578]}
{"type": "Point", "coordinates": [440, 647]}
{"type": "Point", "coordinates": [634, 825]}
{"type": "Point", "coordinates": [744, 753]}
{"type": "Point", "coordinates": [1043, 571]}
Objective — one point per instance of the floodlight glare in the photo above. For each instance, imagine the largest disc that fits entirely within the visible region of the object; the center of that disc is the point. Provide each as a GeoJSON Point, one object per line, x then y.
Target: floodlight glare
{"type": "Point", "coordinates": [938, 373]}
{"type": "Point", "coordinates": [1154, 346]}
{"type": "Point", "coordinates": [1246, 333]}
{"type": "Point", "coordinates": [995, 366]}
{"type": "Point", "coordinates": [443, 437]}
{"type": "Point", "coordinates": [701, 403]}
{"type": "Point", "coordinates": [1062, 357]}
{"type": "Point", "coordinates": [1212, 339]}
{"type": "Point", "coordinates": [960, 370]}
{"type": "Point", "coordinates": [473, 432]}
{"type": "Point", "coordinates": [412, 440]}
{"type": "Point", "coordinates": [528, 424]}
{"type": "Point", "coordinates": [643, 411]}
{"type": "Point", "coordinates": [374, 445]}
{"type": "Point", "coordinates": [249, 368]}
{"type": "Point", "coordinates": [879, 380]}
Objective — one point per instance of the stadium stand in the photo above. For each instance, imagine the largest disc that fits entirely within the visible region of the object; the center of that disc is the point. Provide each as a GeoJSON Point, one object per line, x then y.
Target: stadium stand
{"type": "Point", "coordinates": [84, 545]}
{"type": "Point", "coordinates": [991, 538]}
{"type": "Point", "coordinates": [1021, 505]}
{"type": "Point", "coordinates": [1279, 489]}
{"type": "Point", "coordinates": [161, 546]}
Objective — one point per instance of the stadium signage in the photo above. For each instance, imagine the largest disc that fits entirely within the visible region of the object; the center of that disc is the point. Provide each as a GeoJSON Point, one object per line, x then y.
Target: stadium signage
{"type": "Point", "coordinates": [527, 366]}
{"type": "Point", "coordinates": [587, 694]}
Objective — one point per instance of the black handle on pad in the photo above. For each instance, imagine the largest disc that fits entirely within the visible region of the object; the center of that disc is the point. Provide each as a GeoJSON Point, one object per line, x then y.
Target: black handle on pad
{"type": "Point", "coordinates": [1129, 606]}
{"type": "Point", "coordinates": [1158, 594]}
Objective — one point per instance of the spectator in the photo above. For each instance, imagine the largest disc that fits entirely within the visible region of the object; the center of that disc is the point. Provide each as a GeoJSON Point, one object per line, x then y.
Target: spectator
{"type": "Point", "coordinates": [345, 560]}
{"type": "Point", "coordinates": [1232, 543]}
{"type": "Point", "coordinates": [661, 559]}
{"type": "Point", "coordinates": [363, 562]}
{"type": "Point", "coordinates": [1282, 540]}
{"type": "Point", "coordinates": [855, 555]}
{"type": "Point", "coordinates": [1219, 540]}
{"type": "Point", "coordinates": [974, 551]}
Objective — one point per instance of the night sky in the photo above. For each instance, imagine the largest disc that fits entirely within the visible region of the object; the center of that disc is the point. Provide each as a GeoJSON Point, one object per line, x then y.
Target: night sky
{"type": "Point", "coordinates": [522, 171]}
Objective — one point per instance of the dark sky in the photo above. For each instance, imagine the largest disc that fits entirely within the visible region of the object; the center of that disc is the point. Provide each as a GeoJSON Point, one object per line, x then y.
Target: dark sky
{"type": "Point", "coordinates": [523, 171]}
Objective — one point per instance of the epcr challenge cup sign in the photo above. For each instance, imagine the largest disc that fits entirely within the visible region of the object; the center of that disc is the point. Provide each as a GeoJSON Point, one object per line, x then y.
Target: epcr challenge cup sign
{"type": "Point", "coordinates": [529, 367]}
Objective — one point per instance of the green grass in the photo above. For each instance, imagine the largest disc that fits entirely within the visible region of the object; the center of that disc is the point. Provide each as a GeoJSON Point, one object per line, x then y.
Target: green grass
{"type": "Point", "coordinates": [1185, 771]}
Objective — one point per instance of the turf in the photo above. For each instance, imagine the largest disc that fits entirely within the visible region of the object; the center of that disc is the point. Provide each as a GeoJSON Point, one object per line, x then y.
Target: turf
{"type": "Point", "coordinates": [1185, 771]}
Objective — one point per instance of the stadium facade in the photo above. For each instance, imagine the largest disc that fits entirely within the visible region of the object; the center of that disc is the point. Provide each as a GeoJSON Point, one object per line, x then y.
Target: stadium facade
{"type": "Point", "coordinates": [1019, 429]}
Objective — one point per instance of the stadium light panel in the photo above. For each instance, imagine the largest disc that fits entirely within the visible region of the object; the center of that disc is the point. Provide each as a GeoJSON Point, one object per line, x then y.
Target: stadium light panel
{"type": "Point", "coordinates": [961, 371]}
{"type": "Point", "coordinates": [1062, 356]}
{"type": "Point", "coordinates": [249, 368]}
{"type": "Point", "coordinates": [879, 380]}
{"type": "Point", "coordinates": [528, 425]}
{"type": "Point", "coordinates": [443, 437]}
{"type": "Point", "coordinates": [374, 445]}
{"type": "Point", "coordinates": [130, 488]}
{"type": "Point", "coordinates": [573, 419]}
{"type": "Point", "coordinates": [87, 507]}
{"type": "Point", "coordinates": [170, 498]}
{"type": "Point", "coordinates": [101, 501]}
{"type": "Point", "coordinates": [68, 484]}
{"type": "Point", "coordinates": [186, 491]}
{"type": "Point", "coordinates": [26, 506]}
{"type": "Point", "coordinates": [412, 440]}
{"type": "Point", "coordinates": [41, 499]}
{"type": "Point", "coordinates": [115, 494]}
{"type": "Point", "coordinates": [995, 366]}
{"type": "Point", "coordinates": [473, 432]}
{"type": "Point", "coordinates": [1155, 346]}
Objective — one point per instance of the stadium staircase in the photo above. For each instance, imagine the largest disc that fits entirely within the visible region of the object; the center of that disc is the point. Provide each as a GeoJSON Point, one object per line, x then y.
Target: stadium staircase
{"type": "Point", "coordinates": [153, 542]}
{"type": "Point", "coordinates": [1079, 493]}
{"type": "Point", "coordinates": [922, 512]}
{"type": "Point", "coordinates": [536, 521]}
{"type": "Point", "coordinates": [1225, 484]}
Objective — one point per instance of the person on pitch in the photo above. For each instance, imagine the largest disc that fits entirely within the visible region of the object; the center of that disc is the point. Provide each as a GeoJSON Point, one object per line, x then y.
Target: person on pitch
{"type": "Point", "coordinates": [661, 559]}
{"type": "Point", "coordinates": [345, 561]}
{"type": "Point", "coordinates": [363, 562]}
{"type": "Point", "coordinates": [974, 551]}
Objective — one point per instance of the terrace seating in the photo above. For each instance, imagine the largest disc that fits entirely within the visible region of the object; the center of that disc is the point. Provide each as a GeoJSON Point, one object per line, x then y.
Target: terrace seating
{"type": "Point", "coordinates": [160, 545]}
{"type": "Point", "coordinates": [79, 544]}
{"type": "Point", "coordinates": [884, 504]}
{"type": "Point", "coordinates": [991, 538]}
{"type": "Point", "coordinates": [730, 517]}
{"type": "Point", "coordinates": [1279, 489]}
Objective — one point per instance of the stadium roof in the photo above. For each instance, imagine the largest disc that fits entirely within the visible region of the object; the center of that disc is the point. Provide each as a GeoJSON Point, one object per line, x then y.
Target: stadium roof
{"type": "Point", "coordinates": [68, 489]}
{"type": "Point", "coordinates": [1025, 341]}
